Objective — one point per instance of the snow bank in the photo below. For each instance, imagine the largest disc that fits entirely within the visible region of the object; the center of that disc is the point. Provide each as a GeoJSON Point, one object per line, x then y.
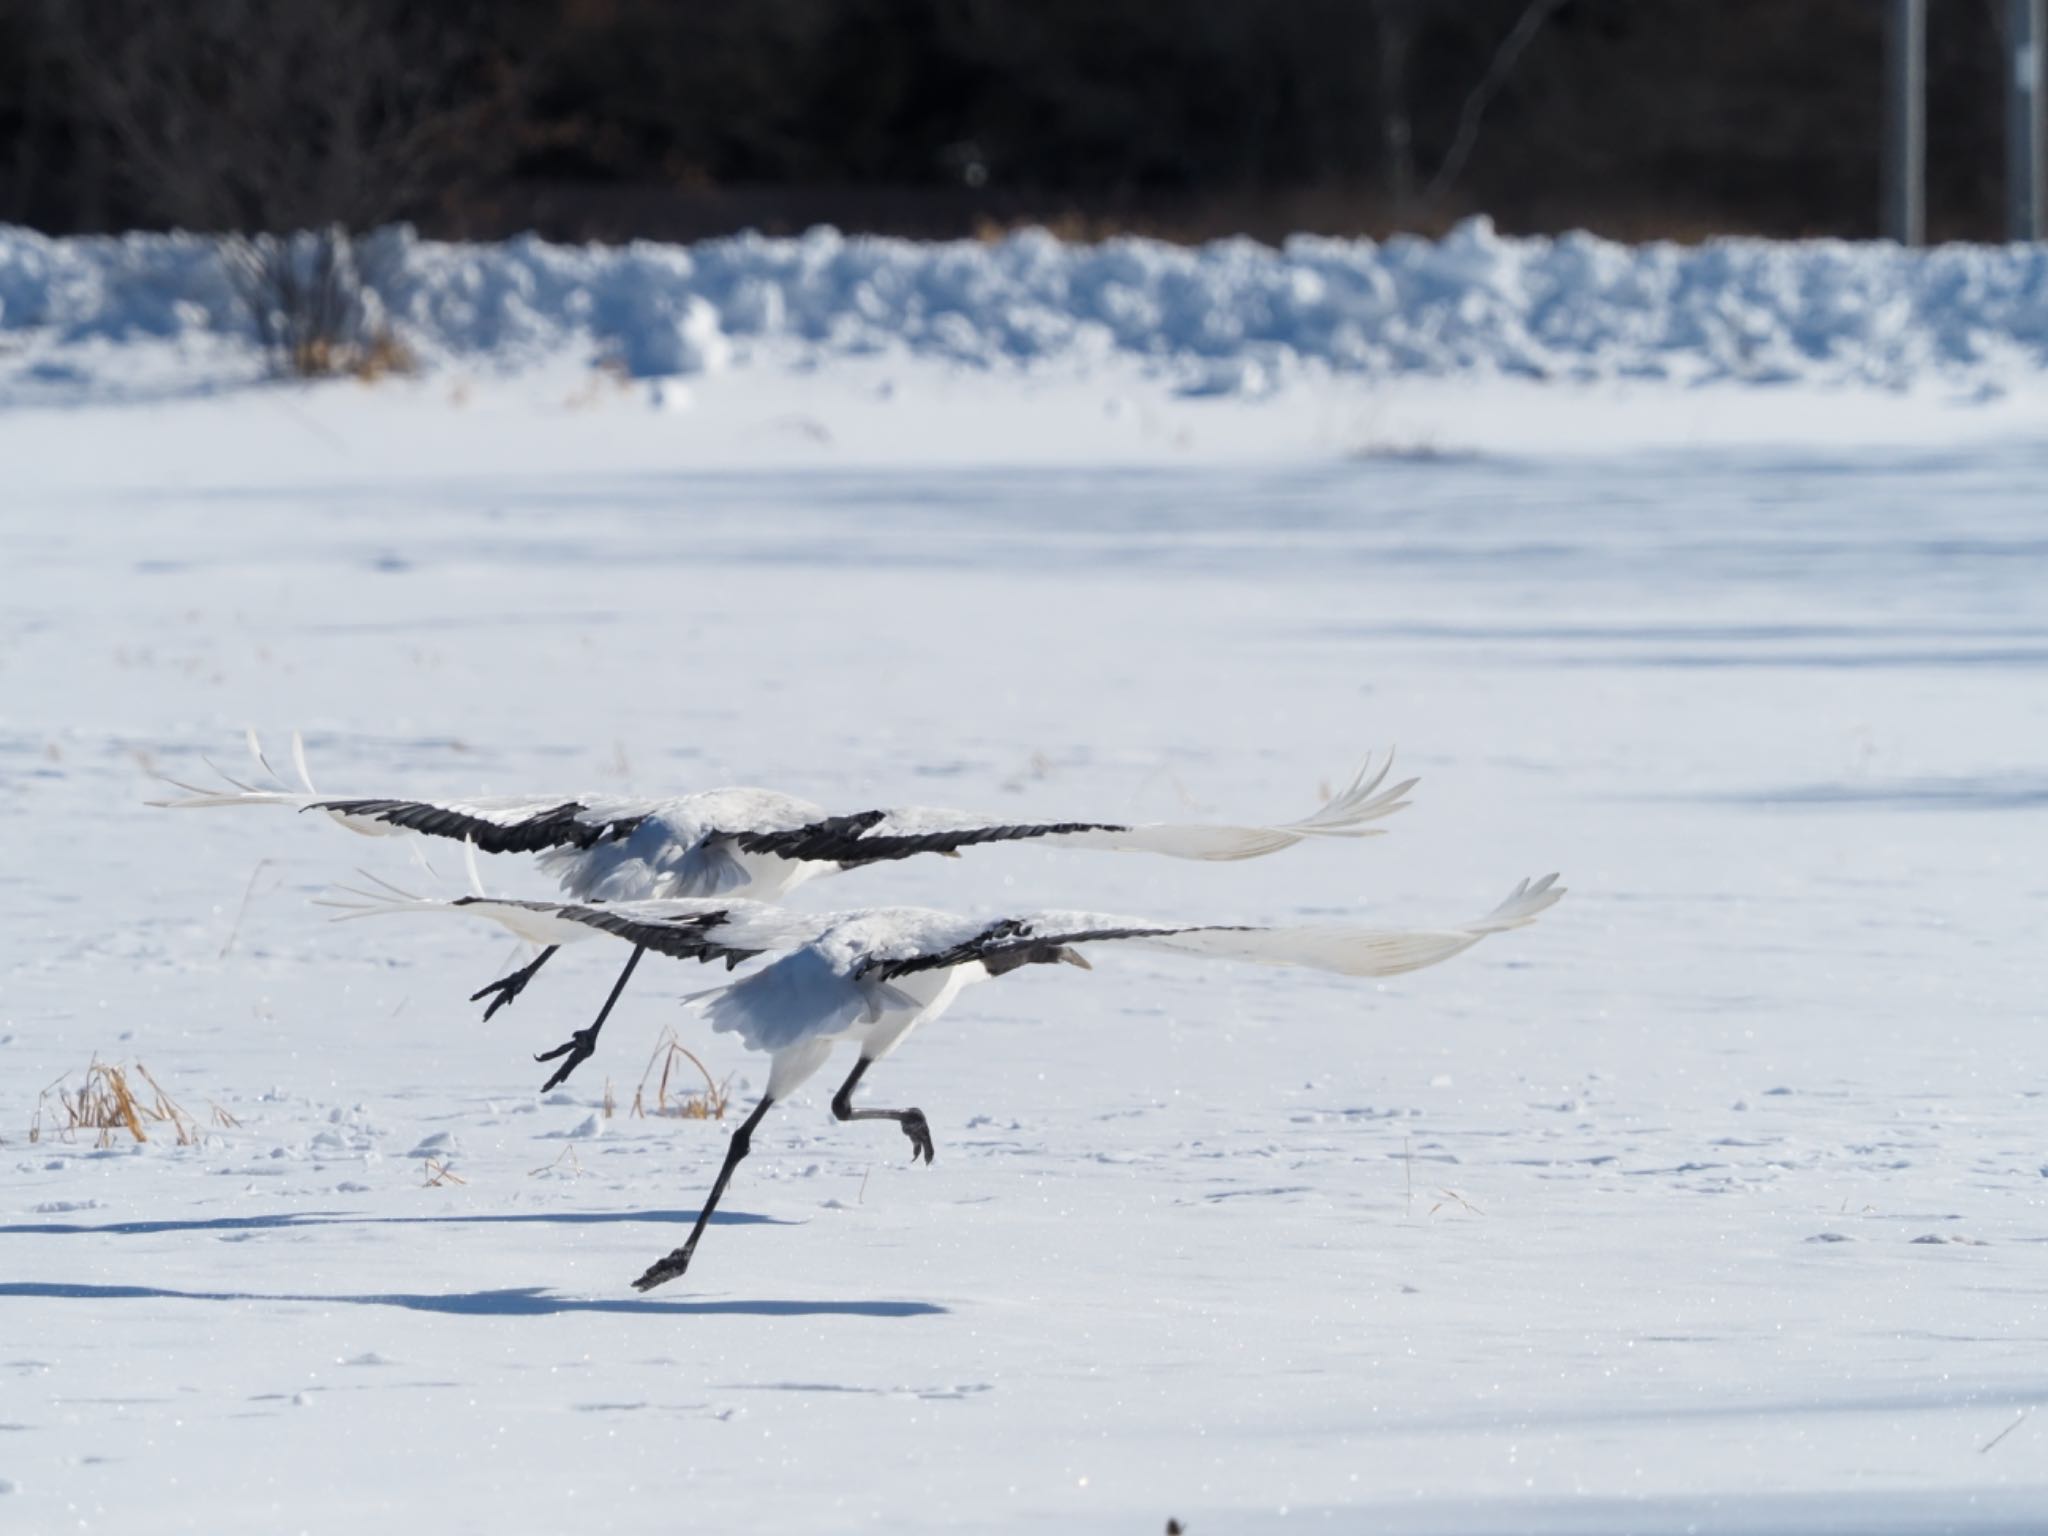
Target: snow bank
{"type": "Point", "coordinates": [1233, 317]}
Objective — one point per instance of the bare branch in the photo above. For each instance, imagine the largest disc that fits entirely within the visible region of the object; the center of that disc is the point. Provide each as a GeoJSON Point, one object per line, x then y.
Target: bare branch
{"type": "Point", "coordinates": [253, 115]}
{"type": "Point", "coordinates": [1524, 31]}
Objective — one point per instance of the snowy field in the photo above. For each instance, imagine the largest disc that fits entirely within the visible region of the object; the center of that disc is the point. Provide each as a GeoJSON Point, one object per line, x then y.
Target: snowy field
{"type": "Point", "coordinates": [1716, 1201]}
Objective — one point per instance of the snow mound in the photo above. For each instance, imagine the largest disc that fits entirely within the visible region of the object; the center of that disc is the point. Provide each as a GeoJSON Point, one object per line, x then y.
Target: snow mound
{"type": "Point", "coordinates": [1229, 318]}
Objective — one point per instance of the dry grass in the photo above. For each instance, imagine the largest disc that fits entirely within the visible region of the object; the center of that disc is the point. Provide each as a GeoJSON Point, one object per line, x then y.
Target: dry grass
{"type": "Point", "coordinates": [378, 356]}
{"type": "Point", "coordinates": [243, 910]}
{"type": "Point", "coordinates": [112, 1099]}
{"type": "Point", "coordinates": [707, 1103]}
{"type": "Point", "coordinates": [1452, 1197]}
{"type": "Point", "coordinates": [568, 1163]}
{"type": "Point", "coordinates": [439, 1173]}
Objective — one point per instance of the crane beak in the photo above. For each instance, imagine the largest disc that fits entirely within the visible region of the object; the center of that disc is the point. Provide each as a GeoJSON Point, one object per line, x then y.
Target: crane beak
{"type": "Point", "coordinates": [1075, 957]}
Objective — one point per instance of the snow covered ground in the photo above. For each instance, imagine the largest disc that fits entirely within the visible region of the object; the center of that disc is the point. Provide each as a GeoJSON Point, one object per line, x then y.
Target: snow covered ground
{"type": "Point", "coordinates": [1716, 1201]}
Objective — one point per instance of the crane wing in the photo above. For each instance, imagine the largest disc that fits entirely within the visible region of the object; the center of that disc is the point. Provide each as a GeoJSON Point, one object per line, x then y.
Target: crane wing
{"type": "Point", "coordinates": [871, 837]}
{"type": "Point", "coordinates": [823, 988]}
{"type": "Point", "coordinates": [1345, 949]}
{"type": "Point", "coordinates": [687, 929]}
{"type": "Point", "coordinates": [753, 822]}
{"type": "Point", "coordinates": [494, 823]}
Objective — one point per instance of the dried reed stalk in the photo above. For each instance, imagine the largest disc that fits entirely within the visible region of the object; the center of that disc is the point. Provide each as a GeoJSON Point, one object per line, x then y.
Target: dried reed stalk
{"type": "Point", "coordinates": [707, 1103]}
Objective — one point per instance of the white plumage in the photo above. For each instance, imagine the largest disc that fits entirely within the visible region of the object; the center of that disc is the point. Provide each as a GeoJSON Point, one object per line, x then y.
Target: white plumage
{"type": "Point", "coordinates": [871, 976]}
{"type": "Point", "coordinates": [761, 844]}
{"type": "Point", "coordinates": [674, 876]}
{"type": "Point", "coordinates": [746, 842]}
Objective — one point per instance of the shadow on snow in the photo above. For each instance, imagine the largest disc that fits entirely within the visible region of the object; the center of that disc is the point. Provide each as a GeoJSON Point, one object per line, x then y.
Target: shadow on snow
{"type": "Point", "coordinates": [346, 1219]}
{"type": "Point", "coordinates": [522, 1301]}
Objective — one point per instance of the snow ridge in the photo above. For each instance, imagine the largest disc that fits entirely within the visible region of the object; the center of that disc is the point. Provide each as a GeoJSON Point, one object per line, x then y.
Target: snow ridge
{"type": "Point", "coordinates": [1232, 317]}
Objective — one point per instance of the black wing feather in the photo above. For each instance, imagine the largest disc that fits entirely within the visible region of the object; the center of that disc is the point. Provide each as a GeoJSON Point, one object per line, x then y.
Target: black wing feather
{"type": "Point", "coordinates": [684, 938]}
{"type": "Point", "coordinates": [558, 827]}
{"type": "Point", "coordinates": [844, 839]}
{"type": "Point", "coordinates": [1004, 946]}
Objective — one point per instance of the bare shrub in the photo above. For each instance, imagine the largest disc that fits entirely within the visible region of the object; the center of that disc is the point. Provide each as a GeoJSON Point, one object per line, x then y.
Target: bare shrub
{"type": "Point", "coordinates": [289, 130]}
{"type": "Point", "coordinates": [314, 313]}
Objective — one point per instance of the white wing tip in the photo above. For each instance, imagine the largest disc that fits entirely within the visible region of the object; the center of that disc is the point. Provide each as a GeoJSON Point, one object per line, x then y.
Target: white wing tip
{"type": "Point", "coordinates": [299, 763]}
{"type": "Point", "coordinates": [1360, 801]}
{"type": "Point", "coordinates": [196, 797]}
{"type": "Point", "coordinates": [387, 898]}
{"type": "Point", "coordinates": [1524, 904]}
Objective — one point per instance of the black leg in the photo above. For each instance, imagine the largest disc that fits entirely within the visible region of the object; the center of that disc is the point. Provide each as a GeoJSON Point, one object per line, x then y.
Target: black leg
{"type": "Point", "coordinates": [678, 1261]}
{"type": "Point", "coordinates": [509, 987]}
{"type": "Point", "coordinates": [912, 1120]}
{"type": "Point", "coordinates": [580, 1046]}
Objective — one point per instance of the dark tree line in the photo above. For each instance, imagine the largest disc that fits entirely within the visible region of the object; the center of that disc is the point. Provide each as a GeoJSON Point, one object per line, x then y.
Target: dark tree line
{"type": "Point", "coordinates": [676, 118]}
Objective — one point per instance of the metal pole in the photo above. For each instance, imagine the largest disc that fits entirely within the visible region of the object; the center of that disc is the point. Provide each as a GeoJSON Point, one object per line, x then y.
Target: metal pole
{"type": "Point", "coordinates": [1905, 184]}
{"type": "Point", "coordinates": [2026, 142]}
{"type": "Point", "coordinates": [1905, 123]}
{"type": "Point", "coordinates": [1397, 149]}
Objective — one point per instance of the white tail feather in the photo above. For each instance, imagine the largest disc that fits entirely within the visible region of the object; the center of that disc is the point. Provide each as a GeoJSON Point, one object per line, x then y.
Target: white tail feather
{"type": "Point", "coordinates": [299, 763]}
{"type": "Point", "coordinates": [416, 847]}
{"type": "Point", "coordinates": [256, 752]}
{"type": "Point", "coordinates": [397, 890]}
{"type": "Point", "coordinates": [247, 789]}
{"type": "Point", "coordinates": [389, 898]}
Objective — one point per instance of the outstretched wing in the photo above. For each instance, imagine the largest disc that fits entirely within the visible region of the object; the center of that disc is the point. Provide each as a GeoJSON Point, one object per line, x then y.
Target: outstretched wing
{"type": "Point", "coordinates": [507, 824]}
{"type": "Point", "coordinates": [686, 929]}
{"type": "Point", "coordinates": [1346, 949]}
{"type": "Point", "coordinates": [495, 824]}
{"type": "Point", "coordinates": [732, 823]}
{"type": "Point", "coordinates": [825, 987]}
{"type": "Point", "coordinates": [871, 837]}
{"type": "Point", "coordinates": [1010, 942]}
{"type": "Point", "coordinates": [1353, 951]}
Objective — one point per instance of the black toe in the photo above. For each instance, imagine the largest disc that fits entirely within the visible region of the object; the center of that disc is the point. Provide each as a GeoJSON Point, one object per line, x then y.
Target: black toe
{"type": "Point", "coordinates": [920, 1134]}
{"type": "Point", "coordinates": [579, 1048]}
{"type": "Point", "coordinates": [661, 1271]}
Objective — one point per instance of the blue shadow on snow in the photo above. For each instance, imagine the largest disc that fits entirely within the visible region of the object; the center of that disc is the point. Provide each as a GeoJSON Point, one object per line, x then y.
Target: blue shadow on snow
{"type": "Point", "coordinates": [345, 1219]}
{"type": "Point", "coordinates": [523, 1301]}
